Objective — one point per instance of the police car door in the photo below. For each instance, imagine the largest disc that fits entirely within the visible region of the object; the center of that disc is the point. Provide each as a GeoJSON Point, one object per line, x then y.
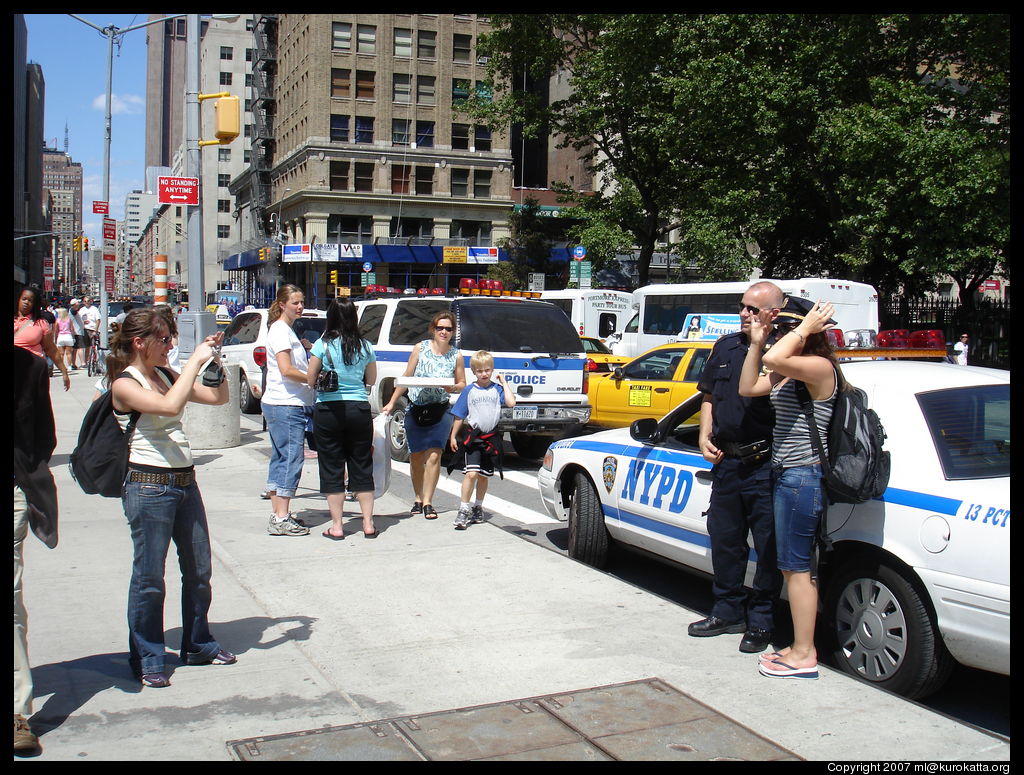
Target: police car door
{"type": "Point", "coordinates": [664, 491]}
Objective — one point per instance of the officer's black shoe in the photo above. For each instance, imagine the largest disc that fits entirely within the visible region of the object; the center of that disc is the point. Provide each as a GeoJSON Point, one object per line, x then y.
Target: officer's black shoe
{"type": "Point", "coordinates": [755, 639]}
{"type": "Point", "coordinates": [705, 628]}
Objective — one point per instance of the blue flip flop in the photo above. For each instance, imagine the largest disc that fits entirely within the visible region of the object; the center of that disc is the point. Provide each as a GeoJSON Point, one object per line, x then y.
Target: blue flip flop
{"type": "Point", "coordinates": [788, 671]}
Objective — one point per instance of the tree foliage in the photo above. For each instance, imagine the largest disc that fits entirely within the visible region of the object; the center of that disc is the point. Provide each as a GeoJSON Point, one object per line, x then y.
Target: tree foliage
{"type": "Point", "coordinates": [868, 146]}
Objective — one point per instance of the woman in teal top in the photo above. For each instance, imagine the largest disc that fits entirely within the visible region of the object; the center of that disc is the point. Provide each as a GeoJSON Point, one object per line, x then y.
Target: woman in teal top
{"type": "Point", "coordinates": [342, 422]}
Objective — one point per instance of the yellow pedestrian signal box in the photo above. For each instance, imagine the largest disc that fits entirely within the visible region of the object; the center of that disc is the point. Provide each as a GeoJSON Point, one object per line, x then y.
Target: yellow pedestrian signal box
{"type": "Point", "coordinates": [227, 119]}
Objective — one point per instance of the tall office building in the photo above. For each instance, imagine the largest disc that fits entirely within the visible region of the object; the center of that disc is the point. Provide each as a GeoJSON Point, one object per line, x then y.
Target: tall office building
{"type": "Point", "coordinates": [359, 142]}
{"type": "Point", "coordinates": [62, 177]}
{"type": "Point", "coordinates": [31, 209]}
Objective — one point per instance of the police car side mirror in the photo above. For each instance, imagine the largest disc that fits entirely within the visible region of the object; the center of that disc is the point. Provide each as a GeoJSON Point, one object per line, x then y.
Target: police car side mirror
{"type": "Point", "coordinates": [644, 430]}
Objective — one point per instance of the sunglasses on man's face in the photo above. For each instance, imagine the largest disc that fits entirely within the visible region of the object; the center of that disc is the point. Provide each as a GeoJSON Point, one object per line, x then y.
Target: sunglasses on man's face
{"type": "Point", "coordinates": [748, 308]}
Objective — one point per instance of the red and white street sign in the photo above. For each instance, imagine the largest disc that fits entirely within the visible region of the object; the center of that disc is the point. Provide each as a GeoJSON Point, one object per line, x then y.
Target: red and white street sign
{"type": "Point", "coordinates": [177, 191]}
{"type": "Point", "coordinates": [108, 278]}
{"type": "Point", "coordinates": [101, 208]}
{"type": "Point", "coordinates": [109, 229]}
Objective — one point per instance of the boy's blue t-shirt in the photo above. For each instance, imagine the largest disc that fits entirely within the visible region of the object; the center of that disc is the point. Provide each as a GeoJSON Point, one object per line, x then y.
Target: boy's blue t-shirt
{"type": "Point", "coordinates": [350, 377]}
{"type": "Point", "coordinates": [479, 406]}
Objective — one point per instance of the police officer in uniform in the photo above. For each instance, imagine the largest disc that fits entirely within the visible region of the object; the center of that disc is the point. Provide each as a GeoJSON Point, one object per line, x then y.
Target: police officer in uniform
{"type": "Point", "coordinates": [736, 435]}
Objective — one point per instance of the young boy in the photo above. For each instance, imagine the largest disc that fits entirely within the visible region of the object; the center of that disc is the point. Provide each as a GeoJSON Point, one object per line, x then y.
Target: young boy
{"type": "Point", "coordinates": [479, 406]}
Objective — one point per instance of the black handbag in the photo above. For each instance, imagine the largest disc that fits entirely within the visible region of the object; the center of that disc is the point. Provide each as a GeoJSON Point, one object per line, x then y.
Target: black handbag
{"type": "Point", "coordinates": [426, 415]}
{"type": "Point", "coordinates": [327, 380]}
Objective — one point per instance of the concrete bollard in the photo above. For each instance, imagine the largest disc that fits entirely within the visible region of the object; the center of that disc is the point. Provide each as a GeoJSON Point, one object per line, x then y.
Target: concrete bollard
{"type": "Point", "coordinates": [215, 427]}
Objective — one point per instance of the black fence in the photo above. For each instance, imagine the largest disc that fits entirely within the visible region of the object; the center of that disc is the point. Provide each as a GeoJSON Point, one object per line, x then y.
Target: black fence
{"type": "Point", "coordinates": [988, 325]}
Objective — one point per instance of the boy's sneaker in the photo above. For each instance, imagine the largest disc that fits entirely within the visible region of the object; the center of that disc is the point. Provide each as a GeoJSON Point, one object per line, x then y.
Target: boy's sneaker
{"type": "Point", "coordinates": [286, 527]}
{"type": "Point", "coordinates": [477, 515]}
{"type": "Point", "coordinates": [463, 518]}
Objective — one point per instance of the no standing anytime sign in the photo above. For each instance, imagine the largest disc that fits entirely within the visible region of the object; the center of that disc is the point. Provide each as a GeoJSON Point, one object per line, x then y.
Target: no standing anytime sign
{"type": "Point", "coordinates": [177, 191]}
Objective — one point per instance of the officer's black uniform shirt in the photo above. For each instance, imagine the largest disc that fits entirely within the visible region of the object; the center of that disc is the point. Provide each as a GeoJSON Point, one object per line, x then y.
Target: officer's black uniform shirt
{"type": "Point", "coordinates": [736, 418]}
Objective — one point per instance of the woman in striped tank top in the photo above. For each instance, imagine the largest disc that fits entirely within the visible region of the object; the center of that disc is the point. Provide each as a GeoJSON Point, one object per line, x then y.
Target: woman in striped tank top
{"type": "Point", "coordinates": [801, 353]}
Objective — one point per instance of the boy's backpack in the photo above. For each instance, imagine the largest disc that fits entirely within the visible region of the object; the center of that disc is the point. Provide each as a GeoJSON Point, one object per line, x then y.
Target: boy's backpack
{"type": "Point", "coordinates": [857, 468]}
{"type": "Point", "coordinates": [100, 461]}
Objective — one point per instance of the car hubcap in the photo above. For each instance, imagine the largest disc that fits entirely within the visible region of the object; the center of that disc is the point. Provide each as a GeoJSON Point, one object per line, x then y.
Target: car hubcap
{"type": "Point", "coordinates": [398, 429]}
{"type": "Point", "coordinates": [871, 629]}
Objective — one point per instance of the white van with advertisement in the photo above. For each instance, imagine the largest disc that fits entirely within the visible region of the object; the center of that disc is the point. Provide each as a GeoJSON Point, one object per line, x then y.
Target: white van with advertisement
{"type": "Point", "coordinates": [534, 346]}
{"type": "Point", "coordinates": [663, 312]}
{"type": "Point", "coordinates": [595, 313]}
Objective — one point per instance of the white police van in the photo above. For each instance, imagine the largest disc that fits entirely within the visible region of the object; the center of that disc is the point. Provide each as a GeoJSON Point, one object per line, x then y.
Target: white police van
{"type": "Point", "coordinates": [917, 578]}
{"type": "Point", "coordinates": [594, 312]}
{"type": "Point", "coordinates": [534, 346]}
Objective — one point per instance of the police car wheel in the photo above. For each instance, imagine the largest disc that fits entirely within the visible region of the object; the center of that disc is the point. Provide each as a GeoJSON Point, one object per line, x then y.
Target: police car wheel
{"type": "Point", "coordinates": [881, 630]}
{"type": "Point", "coordinates": [588, 537]}
{"type": "Point", "coordinates": [396, 432]}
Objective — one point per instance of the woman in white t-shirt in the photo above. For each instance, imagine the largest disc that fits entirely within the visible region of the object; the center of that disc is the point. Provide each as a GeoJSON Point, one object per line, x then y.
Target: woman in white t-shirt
{"type": "Point", "coordinates": [285, 402]}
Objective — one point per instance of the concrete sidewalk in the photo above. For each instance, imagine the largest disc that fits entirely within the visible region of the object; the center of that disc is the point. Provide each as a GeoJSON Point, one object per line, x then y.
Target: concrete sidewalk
{"type": "Point", "coordinates": [371, 636]}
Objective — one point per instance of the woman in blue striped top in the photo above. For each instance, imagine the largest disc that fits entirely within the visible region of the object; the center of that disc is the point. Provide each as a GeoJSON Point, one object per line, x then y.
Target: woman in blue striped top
{"type": "Point", "coordinates": [801, 354]}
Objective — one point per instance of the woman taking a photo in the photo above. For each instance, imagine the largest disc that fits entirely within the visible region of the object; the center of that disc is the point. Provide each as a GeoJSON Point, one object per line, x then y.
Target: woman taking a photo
{"type": "Point", "coordinates": [32, 331]}
{"type": "Point", "coordinates": [801, 353]}
{"type": "Point", "coordinates": [341, 417]}
{"type": "Point", "coordinates": [285, 403]}
{"type": "Point", "coordinates": [161, 499]}
{"type": "Point", "coordinates": [434, 357]}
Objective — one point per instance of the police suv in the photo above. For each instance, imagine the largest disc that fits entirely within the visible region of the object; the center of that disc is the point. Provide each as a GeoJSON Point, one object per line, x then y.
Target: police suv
{"type": "Point", "coordinates": [916, 579]}
{"type": "Point", "coordinates": [534, 346]}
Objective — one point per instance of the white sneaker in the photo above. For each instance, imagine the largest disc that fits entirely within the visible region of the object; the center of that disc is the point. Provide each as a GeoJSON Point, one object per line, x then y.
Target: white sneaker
{"type": "Point", "coordinates": [286, 527]}
{"type": "Point", "coordinates": [463, 518]}
{"type": "Point", "coordinates": [477, 515]}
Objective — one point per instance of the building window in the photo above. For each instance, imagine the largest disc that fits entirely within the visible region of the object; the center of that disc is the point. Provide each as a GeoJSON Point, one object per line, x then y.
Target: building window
{"type": "Point", "coordinates": [341, 82]}
{"type": "Point", "coordinates": [225, 79]}
{"type": "Point", "coordinates": [420, 230]}
{"type": "Point", "coordinates": [460, 182]}
{"type": "Point", "coordinates": [472, 232]}
{"type": "Point", "coordinates": [223, 232]}
{"type": "Point", "coordinates": [364, 129]}
{"type": "Point", "coordinates": [223, 154]}
{"type": "Point", "coordinates": [401, 88]}
{"type": "Point", "coordinates": [400, 131]}
{"type": "Point", "coordinates": [426, 44]}
{"type": "Point", "coordinates": [426, 89]}
{"type": "Point", "coordinates": [403, 42]}
{"type": "Point", "coordinates": [460, 90]}
{"type": "Point", "coordinates": [339, 129]}
{"type": "Point", "coordinates": [460, 137]}
{"type": "Point", "coordinates": [223, 180]}
{"type": "Point", "coordinates": [364, 84]}
{"type": "Point", "coordinates": [364, 176]}
{"type": "Point", "coordinates": [341, 36]}
{"type": "Point", "coordinates": [425, 180]}
{"type": "Point", "coordinates": [349, 229]}
{"type": "Point", "coordinates": [400, 178]}
{"type": "Point", "coordinates": [248, 55]}
{"type": "Point", "coordinates": [223, 205]}
{"type": "Point", "coordinates": [367, 39]}
{"type": "Point", "coordinates": [226, 52]}
{"type": "Point", "coordinates": [461, 47]}
{"type": "Point", "coordinates": [482, 138]}
{"type": "Point", "coordinates": [481, 184]}
{"type": "Point", "coordinates": [424, 134]}
{"type": "Point", "coordinates": [339, 175]}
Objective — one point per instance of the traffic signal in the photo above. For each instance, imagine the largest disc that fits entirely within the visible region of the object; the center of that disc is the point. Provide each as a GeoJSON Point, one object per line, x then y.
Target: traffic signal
{"type": "Point", "coordinates": [226, 119]}
{"type": "Point", "coordinates": [263, 254]}
{"type": "Point", "coordinates": [334, 277]}
{"type": "Point", "coordinates": [85, 243]}
{"type": "Point", "coordinates": [76, 244]}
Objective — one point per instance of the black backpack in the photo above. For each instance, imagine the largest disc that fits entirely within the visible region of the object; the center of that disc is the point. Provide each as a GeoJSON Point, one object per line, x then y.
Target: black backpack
{"type": "Point", "coordinates": [857, 468]}
{"type": "Point", "coordinates": [100, 461]}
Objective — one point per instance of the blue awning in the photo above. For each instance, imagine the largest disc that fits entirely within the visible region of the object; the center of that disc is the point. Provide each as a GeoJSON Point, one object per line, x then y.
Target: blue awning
{"type": "Point", "coordinates": [406, 254]}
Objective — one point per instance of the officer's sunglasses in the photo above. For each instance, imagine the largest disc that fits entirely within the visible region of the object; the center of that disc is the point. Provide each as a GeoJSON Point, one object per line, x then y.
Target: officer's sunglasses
{"type": "Point", "coordinates": [750, 309]}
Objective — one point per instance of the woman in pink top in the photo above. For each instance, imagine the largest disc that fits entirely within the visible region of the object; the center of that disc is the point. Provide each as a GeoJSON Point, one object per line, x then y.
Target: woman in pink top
{"type": "Point", "coordinates": [65, 334]}
{"type": "Point", "coordinates": [32, 332]}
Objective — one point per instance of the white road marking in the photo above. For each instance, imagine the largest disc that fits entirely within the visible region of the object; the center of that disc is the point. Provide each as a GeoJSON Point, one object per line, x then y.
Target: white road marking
{"type": "Point", "coordinates": [493, 503]}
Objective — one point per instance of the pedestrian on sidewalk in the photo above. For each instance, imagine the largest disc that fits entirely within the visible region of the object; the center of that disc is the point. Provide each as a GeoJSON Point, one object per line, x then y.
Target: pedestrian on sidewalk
{"type": "Point", "coordinates": [32, 331]}
{"type": "Point", "coordinates": [342, 421]}
{"type": "Point", "coordinates": [65, 336]}
{"type": "Point", "coordinates": [161, 498]}
{"type": "Point", "coordinates": [437, 358]}
{"type": "Point", "coordinates": [35, 507]}
{"type": "Point", "coordinates": [479, 409]}
{"type": "Point", "coordinates": [286, 402]}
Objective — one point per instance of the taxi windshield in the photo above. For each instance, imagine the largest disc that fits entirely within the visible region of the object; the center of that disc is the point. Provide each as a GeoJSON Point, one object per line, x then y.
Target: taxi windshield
{"type": "Point", "coordinates": [970, 427]}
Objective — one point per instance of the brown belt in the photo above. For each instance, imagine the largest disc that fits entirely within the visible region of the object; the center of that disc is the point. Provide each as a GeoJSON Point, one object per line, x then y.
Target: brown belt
{"type": "Point", "coordinates": [183, 479]}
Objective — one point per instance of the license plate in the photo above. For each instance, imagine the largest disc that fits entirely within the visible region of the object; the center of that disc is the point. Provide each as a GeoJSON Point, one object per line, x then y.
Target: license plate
{"type": "Point", "coordinates": [524, 413]}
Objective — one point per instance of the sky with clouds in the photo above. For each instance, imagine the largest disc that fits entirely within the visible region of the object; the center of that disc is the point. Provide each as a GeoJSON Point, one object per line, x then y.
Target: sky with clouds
{"type": "Point", "coordinates": [73, 57]}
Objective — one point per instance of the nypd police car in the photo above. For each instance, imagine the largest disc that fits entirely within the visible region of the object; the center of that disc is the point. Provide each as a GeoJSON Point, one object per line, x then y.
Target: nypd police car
{"type": "Point", "coordinates": [916, 579]}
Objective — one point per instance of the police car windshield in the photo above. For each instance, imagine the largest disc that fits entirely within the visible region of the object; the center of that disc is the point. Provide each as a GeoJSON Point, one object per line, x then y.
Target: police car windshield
{"type": "Point", "coordinates": [503, 326]}
{"type": "Point", "coordinates": [971, 430]}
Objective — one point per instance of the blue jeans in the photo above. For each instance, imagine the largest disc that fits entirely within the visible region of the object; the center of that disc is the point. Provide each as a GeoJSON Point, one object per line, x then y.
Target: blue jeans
{"type": "Point", "coordinates": [287, 428]}
{"type": "Point", "coordinates": [798, 502]}
{"type": "Point", "coordinates": [157, 515]}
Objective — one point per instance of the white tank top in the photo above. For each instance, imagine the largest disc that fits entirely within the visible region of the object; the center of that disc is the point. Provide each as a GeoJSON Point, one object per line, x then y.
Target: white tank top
{"type": "Point", "coordinates": [158, 441]}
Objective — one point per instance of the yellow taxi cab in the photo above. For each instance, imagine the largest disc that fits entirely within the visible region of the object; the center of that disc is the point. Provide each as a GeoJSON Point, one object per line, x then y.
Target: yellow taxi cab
{"type": "Point", "coordinates": [600, 358]}
{"type": "Point", "coordinates": [650, 385]}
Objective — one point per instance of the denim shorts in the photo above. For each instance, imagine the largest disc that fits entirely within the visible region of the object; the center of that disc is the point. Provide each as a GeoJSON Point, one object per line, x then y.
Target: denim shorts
{"type": "Point", "coordinates": [798, 502]}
